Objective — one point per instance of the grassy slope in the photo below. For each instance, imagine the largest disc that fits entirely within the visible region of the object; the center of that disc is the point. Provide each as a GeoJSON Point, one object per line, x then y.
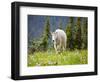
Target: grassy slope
{"type": "Point", "coordinates": [65, 58]}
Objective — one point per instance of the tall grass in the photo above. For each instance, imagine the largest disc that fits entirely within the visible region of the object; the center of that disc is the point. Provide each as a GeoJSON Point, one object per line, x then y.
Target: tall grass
{"type": "Point", "coordinates": [50, 58]}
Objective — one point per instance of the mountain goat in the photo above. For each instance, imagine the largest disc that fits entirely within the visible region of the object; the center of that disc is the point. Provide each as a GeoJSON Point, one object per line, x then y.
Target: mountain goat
{"type": "Point", "coordinates": [59, 39]}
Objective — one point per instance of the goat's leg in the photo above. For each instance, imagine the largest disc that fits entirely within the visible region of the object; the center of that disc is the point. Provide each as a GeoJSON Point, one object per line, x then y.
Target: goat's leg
{"type": "Point", "coordinates": [55, 48]}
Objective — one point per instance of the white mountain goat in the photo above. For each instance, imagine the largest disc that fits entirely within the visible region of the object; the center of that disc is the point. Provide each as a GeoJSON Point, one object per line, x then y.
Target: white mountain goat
{"type": "Point", "coordinates": [59, 39]}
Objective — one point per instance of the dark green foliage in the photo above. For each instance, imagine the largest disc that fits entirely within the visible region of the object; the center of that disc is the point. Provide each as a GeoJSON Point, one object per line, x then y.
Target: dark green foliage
{"type": "Point", "coordinates": [41, 44]}
{"type": "Point", "coordinates": [69, 33]}
{"type": "Point", "coordinates": [78, 40]}
{"type": "Point", "coordinates": [46, 34]}
{"type": "Point", "coordinates": [76, 32]}
{"type": "Point", "coordinates": [84, 33]}
{"type": "Point", "coordinates": [35, 45]}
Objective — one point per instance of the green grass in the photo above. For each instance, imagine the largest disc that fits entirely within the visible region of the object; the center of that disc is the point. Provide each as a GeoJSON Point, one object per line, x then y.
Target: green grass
{"type": "Point", "coordinates": [50, 58]}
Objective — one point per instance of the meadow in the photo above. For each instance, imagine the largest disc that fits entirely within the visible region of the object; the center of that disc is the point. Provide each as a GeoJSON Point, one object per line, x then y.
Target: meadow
{"type": "Point", "coordinates": [50, 58]}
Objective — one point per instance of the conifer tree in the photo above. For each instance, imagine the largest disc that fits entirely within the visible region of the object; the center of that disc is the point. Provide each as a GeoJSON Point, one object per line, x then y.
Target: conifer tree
{"type": "Point", "coordinates": [78, 40]}
{"type": "Point", "coordinates": [69, 33]}
{"type": "Point", "coordinates": [46, 34]}
{"type": "Point", "coordinates": [84, 33]}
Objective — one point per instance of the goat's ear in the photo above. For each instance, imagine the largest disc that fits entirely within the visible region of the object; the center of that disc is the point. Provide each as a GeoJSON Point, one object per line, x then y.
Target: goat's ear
{"type": "Point", "coordinates": [55, 32]}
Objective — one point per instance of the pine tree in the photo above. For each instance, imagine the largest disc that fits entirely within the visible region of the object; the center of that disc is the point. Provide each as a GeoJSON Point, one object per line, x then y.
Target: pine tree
{"type": "Point", "coordinates": [69, 33]}
{"type": "Point", "coordinates": [78, 40]}
{"type": "Point", "coordinates": [84, 33]}
{"type": "Point", "coordinates": [46, 34]}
